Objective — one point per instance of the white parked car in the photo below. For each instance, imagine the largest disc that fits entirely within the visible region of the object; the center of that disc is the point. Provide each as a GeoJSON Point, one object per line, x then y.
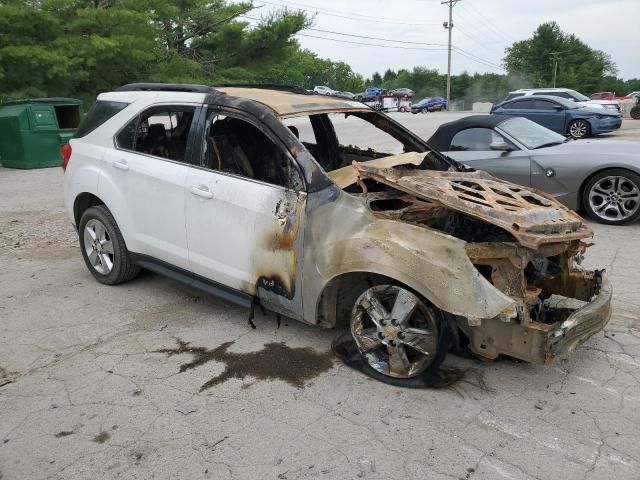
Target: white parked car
{"type": "Point", "coordinates": [322, 90]}
{"type": "Point", "coordinates": [565, 93]}
{"type": "Point", "coordinates": [222, 189]}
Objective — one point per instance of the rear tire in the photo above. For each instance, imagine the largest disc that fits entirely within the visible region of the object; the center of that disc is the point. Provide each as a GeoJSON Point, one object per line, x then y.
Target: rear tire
{"type": "Point", "coordinates": [579, 129]}
{"type": "Point", "coordinates": [635, 112]}
{"type": "Point", "coordinates": [103, 247]}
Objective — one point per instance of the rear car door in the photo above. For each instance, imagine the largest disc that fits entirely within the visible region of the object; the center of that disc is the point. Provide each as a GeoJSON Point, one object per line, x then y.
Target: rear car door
{"type": "Point", "coordinates": [147, 172]}
{"type": "Point", "coordinates": [471, 147]}
{"type": "Point", "coordinates": [550, 115]}
{"type": "Point", "coordinates": [245, 206]}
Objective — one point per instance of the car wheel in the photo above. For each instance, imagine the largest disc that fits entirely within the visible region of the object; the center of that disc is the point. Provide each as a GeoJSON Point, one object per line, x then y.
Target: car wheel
{"type": "Point", "coordinates": [579, 128]}
{"type": "Point", "coordinates": [613, 196]}
{"type": "Point", "coordinates": [400, 336]}
{"type": "Point", "coordinates": [103, 247]}
{"type": "Point", "coordinates": [635, 112]}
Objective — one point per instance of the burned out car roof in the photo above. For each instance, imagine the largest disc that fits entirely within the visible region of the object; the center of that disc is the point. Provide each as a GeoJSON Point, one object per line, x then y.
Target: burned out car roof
{"type": "Point", "coordinates": [288, 104]}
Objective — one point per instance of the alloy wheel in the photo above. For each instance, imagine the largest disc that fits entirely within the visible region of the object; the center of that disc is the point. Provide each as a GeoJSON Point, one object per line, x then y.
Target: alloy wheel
{"type": "Point", "coordinates": [395, 331]}
{"type": "Point", "coordinates": [98, 246]}
{"type": "Point", "coordinates": [579, 129]}
{"type": "Point", "coordinates": [614, 198]}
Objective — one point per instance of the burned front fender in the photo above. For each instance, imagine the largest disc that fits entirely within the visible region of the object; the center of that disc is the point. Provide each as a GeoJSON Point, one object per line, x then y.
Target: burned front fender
{"type": "Point", "coordinates": [344, 236]}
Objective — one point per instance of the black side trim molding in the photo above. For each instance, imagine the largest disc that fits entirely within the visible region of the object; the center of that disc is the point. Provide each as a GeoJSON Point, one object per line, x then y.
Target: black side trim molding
{"type": "Point", "coordinates": [189, 278]}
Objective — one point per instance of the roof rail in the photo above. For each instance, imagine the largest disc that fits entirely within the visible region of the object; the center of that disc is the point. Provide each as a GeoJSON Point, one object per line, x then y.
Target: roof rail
{"type": "Point", "coordinates": [268, 86]}
{"type": "Point", "coordinates": [166, 87]}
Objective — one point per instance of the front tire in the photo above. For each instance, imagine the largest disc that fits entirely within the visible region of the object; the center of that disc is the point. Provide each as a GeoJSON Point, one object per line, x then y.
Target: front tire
{"type": "Point", "coordinates": [103, 247]}
{"type": "Point", "coordinates": [402, 338]}
{"type": "Point", "coordinates": [579, 129]}
{"type": "Point", "coordinates": [612, 197]}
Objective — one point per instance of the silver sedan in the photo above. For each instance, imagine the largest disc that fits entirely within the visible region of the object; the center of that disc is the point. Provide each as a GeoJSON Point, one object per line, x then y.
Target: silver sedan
{"type": "Point", "coordinates": [600, 176]}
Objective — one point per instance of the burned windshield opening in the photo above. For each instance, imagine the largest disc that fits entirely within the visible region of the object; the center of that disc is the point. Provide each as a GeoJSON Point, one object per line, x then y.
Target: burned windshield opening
{"type": "Point", "coordinates": [338, 139]}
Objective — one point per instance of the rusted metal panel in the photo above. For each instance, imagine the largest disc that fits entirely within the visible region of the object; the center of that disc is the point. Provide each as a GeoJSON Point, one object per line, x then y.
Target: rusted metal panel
{"type": "Point", "coordinates": [532, 217]}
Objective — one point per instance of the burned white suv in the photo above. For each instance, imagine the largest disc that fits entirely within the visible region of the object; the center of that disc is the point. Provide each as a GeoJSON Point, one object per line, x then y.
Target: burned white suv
{"type": "Point", "coordinates": [261, 196]}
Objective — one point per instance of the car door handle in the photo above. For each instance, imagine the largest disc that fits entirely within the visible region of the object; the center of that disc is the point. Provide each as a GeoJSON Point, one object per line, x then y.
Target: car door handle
{"type": "Point", "coordinates": [120, 165]}
{"type": "Point", "coordinates": [201, 191]}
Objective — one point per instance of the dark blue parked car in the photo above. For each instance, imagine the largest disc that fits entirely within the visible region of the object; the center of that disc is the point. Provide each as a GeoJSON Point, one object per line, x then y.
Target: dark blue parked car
{"type": "Point", "coordinates": [373, 91]}
{"type": "Point", "coordinates": [430, 104]}
{"type": "Point", "coordinates": [561, 115]}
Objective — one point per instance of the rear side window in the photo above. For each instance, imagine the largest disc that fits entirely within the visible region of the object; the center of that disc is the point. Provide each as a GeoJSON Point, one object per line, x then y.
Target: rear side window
{"type": "Point", "coordinates": [159, 132]}
{"type": "Point", "coordinates": [544, 105]}
{"type": "Point", "coordinates": [100, 112]}
{"type": "Point", "coordinates": [556, 94]}
{"type": "Point", "coordinates": [520, 104]}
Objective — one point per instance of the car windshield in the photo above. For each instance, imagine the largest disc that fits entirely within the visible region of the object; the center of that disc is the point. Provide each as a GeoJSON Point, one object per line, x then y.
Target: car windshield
{"type": "Point", "coordinates": [530, 134]}
{"type": "Point", "coordinates": [578, 96]}
{"type": "Point", "coordinates": [567, 103]}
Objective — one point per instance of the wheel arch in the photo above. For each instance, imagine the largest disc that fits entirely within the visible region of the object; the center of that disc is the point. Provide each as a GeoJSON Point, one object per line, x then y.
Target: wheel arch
{"type": "Point", "coordinates": [82, 202]}
{"type": "Point", "coordinates": [335, 295]}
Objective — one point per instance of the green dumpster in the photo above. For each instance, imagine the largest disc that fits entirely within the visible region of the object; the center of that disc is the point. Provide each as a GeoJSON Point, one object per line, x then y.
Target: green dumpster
{"type": "Point", "coordinates": [32, 131]}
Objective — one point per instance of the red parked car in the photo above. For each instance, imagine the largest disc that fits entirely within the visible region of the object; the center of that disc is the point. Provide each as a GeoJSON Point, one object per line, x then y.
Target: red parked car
{"type": "Point", "coordinates": [603, 96]}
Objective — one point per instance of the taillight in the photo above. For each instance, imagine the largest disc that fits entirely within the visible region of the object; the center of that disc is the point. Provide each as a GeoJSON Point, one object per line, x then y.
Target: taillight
{"type": "Point", "coordinates": [65, 151]}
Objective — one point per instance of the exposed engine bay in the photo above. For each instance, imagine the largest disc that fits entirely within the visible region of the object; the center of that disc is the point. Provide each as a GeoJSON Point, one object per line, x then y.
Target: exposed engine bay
{"type": "Point", "coordinates": [534, 259]}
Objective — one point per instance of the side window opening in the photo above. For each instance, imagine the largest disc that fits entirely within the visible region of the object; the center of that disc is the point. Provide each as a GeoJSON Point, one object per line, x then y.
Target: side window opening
{"type": "Point", "coordinates": [100, 112]}
{"type": "Point", "coordinates": [161, 133]}
{"type": "Point", "coordinates": [475, 139]}
{"type": "Point", "coordinates": [68, 116]}
{"type": "Point", "coordinates": [358, 134]}
{"type": "Point", "coordinates": [238, 147]}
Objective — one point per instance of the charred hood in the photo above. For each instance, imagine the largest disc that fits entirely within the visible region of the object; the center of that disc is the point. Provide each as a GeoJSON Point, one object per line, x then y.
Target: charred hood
{"type": "Point", "coordinates": [533, 218]}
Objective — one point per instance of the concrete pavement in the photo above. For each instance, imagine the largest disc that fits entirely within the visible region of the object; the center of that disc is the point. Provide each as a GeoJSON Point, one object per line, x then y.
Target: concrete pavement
{"type": "Point", "coordinates": [91, 383]}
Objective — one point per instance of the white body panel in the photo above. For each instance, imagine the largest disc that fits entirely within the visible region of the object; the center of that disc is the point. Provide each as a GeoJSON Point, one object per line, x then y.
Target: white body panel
{"type": "Point", "coordinates": [230, 232]}
{"type": "Point", "coordinates": [146, 195]}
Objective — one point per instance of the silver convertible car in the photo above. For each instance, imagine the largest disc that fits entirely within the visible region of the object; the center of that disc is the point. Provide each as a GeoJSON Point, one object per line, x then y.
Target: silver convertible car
{"type": "Point", "coordinates": [602, 176]}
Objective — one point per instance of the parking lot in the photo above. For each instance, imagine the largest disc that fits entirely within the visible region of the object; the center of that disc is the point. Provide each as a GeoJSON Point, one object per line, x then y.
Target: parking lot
{"type": "Point", "coordinates": [122, 382]}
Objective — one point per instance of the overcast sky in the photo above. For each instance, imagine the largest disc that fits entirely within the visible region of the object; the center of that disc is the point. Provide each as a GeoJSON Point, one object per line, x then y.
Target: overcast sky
{"type": "Point", "coordinates": [482, 30]}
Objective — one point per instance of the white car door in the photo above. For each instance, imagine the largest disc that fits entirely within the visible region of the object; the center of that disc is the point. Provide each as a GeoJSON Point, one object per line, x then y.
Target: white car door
{"type": "Point", "coordinates": [145, 182]}
{"type": "Point", "coordinates": [245, 212]}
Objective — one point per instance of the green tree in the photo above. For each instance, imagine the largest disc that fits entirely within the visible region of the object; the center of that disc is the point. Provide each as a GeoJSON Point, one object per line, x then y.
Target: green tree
{"type": "Point", "coordinates": [82, 47]}
{"type": "Point", "coordinates": [550, 51]}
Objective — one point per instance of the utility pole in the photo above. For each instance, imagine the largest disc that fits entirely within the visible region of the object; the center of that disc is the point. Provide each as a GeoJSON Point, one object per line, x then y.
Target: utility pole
{"type": "Point", "coordinates": [449, 26]}
{"type": "Point", "coordinates": [555, 66]}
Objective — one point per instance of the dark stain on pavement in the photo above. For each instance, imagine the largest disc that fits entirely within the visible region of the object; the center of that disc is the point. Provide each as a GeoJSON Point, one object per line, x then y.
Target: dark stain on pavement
{"type": "Point", "coordinates": [276, 361]}
{"type": "Point", "coordinates": [102, 437]}
{"type": "Point", "coordinates": [64, 433]}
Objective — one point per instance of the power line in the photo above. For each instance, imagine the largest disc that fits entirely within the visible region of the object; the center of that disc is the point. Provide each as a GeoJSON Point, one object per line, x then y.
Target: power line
{"type": "Point", "coordinates": [458, 50]}
{"type": "Point", "coordinates": [339, 14]}
{"type": "Point", "coordinates": [377, 38]}
{"type": "Point", "coordinates": [487, 24]}
{"type": "Point", "coordinates": [476, 59]}
{"type": "Point", "coordinates": [340, 40]}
